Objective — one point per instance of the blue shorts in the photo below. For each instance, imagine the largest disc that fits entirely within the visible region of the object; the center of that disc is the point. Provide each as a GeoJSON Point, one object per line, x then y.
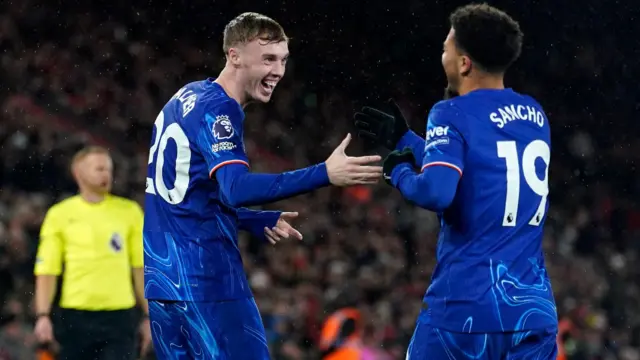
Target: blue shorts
{"type": "Point", "coordinates": [436, 344]}
{"type": "Point", "coordinates": [207, 330]}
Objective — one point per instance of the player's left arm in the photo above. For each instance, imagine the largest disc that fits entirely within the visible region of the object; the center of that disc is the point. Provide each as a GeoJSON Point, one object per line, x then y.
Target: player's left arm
{"type": "Point", "coordinates": [254, 221]}
{"type": "Point", "coordinates": [271, 226]}
{"type": "Point", "coordinates": [434, 187]}
{"type": "Point", "coordinates": [220, 141]}
{"type": "Point", "coordinates": [414, 142]}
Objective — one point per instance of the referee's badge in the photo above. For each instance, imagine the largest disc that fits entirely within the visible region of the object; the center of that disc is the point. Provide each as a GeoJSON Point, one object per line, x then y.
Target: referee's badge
{"type": "Point", "coordinates": [116, 242]}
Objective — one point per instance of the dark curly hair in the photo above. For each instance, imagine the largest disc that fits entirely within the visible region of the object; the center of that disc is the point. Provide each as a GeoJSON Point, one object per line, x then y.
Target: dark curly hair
{"type": "Point", "coordinates": [490, 37]}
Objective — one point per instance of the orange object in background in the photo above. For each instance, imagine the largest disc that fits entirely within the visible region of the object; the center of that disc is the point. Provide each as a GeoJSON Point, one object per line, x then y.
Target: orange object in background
{"type": "Point", "coordinates": [337, 342]}
{"type": "Point", "coordinates": [564, 326]}
{"type": "Point", "coordinates": [45, 355]}
{"type": "Point", "coordinates": [343, 354]}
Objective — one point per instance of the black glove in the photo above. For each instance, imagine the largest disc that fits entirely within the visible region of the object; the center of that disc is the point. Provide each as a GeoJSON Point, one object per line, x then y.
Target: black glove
{"type": "Point", "coordinates": [381, 128]}
{"type": "Point", "coordinates": [394, 159]}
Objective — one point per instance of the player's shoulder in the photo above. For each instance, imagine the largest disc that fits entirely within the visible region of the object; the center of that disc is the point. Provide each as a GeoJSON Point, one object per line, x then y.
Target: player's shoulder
{"type": "Point", "coordinates": [444, 105]}
{"type": "Point", "coordinates": [531, 100]}
{"type": "Point", "coordinates": [482, 98]}
{"type": "Point", "coordinates": [216, 101]}
{"type": "Point", "coordinates": [447, 113]}
{"type": "Point", "coordinates": [510, 95]}
{"type": "Point", "coordinates": [184, 101]}
{"type": "Point", "coordinates": [207, 101]}
{"type": "Point", "coordinates": [202, 96]}
{"type": "Point", "coordinates": [500, 106]}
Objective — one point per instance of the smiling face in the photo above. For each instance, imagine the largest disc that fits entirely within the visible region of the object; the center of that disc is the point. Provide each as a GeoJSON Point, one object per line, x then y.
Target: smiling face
{"type": "Point", "coordinates": [257, 48]}
{"type": "Point", "coordinates": [455, 64]}
{"type": "Point", "coordinates": [261, 66]}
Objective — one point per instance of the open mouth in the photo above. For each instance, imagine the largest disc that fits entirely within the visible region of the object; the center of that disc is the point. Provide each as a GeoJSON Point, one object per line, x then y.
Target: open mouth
{"type": "Point", "coordinates": [268, 85]}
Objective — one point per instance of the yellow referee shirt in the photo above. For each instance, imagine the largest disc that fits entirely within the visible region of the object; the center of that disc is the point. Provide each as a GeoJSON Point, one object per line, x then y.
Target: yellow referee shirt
{"type": "Point", "coordinates": [98, 243]}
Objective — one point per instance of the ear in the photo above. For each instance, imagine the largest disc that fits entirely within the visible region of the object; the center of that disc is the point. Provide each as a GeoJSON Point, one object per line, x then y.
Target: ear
{"type": "Point", "coordinates": [464, 65]}
{"type": "Point", "coordinates": [76, 168]}
{"type": "Point", "coordinates": [233, 56]}
{"type": "Point", "coordinates": [75, 171]}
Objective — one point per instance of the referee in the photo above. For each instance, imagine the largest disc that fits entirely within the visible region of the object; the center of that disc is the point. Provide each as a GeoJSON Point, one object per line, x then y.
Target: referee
{"type": "Point", "coordinates": [94, 241]}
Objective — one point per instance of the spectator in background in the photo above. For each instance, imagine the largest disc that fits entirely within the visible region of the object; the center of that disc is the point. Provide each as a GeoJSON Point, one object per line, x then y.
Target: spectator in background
{"type": "Point", "coordinates": [97, 239]}
{"type": "Point", "coordinates": [341, 335]}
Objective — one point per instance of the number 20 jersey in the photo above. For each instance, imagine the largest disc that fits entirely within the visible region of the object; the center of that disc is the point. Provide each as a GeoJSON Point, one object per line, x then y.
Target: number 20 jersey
{"type": "Point", "coordinates": [490, 275]}
{"type": "Point", "coordinates": [190, 234]}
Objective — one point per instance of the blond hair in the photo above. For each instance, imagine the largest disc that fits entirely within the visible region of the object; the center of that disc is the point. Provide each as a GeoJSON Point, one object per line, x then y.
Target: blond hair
{"type": "Point", "coordinates": [83, 153]}
{"type": "Point", "coordinates": [249, 26]}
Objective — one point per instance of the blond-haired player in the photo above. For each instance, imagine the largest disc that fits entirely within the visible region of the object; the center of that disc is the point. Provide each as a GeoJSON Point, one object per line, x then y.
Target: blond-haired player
{"type": "Point", "coordinates": [200, 302]}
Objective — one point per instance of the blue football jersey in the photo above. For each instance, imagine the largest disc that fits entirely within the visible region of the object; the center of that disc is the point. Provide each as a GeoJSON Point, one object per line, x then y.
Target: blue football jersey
{"type": "Point", "coordinates": [190, 235]}
{"type": "Point", "coordinates": [490, 275]}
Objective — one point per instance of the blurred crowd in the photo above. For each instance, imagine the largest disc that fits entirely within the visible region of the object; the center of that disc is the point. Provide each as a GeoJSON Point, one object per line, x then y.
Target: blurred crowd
{"type": "Point", "coordinates": [87, 76]}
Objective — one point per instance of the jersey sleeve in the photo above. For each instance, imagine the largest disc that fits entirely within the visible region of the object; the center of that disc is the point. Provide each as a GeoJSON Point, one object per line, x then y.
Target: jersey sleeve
{"type": "Point", "coordinates": [219, 136]}
{"type": "Point", "coordinates": [415, 143]}
{"type": "Point", "coordinates": [135, 241]}
{"type": "Point", "coordinates": [254, 221]}
{"type": "Point", "coordinates": [444, 143]}
{"type": "Point", "coordinates": [50, 247]}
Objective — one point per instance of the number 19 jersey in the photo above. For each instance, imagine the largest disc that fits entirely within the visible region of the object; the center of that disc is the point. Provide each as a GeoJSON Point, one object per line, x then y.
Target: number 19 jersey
{"type": "Point", "coordinates": [490, 275]}
{"type": "Point", "coordinates": [190, 233]}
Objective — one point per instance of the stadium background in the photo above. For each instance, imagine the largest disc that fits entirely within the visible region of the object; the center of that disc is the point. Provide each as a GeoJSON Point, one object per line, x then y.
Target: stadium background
{"type": "Point", "coordinates": [98, 72]}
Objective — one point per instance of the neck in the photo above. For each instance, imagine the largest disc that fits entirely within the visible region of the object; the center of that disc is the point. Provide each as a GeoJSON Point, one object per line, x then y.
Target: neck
{"type": "Point", "coordinates": [91, 196]}
{"type": "Point", "coordinates": [228, 79]}
{"type": "Point", "coordinates": [478, 82]}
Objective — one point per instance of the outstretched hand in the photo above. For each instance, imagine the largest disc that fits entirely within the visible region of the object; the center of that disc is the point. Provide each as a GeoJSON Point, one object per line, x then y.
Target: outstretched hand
{"type": "Point", "coordinates": [346, 170]}
{"type": "Point", "coordinates": [283, 228]}
{"type": "Point", "coordinates": [394, 159]}
{"type": "Point", "coordinates": [381, 128]}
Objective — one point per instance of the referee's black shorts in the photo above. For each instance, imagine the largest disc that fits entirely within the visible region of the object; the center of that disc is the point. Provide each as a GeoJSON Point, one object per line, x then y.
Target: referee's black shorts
{"type": "Point", "coordinates": [96, 335]}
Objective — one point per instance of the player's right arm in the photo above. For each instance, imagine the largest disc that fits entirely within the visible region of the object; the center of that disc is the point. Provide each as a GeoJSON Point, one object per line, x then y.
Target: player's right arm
{"type": "Point", "coordinates": [434, 188]}
{"type": "Point", "coordinates": [228, 162]}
